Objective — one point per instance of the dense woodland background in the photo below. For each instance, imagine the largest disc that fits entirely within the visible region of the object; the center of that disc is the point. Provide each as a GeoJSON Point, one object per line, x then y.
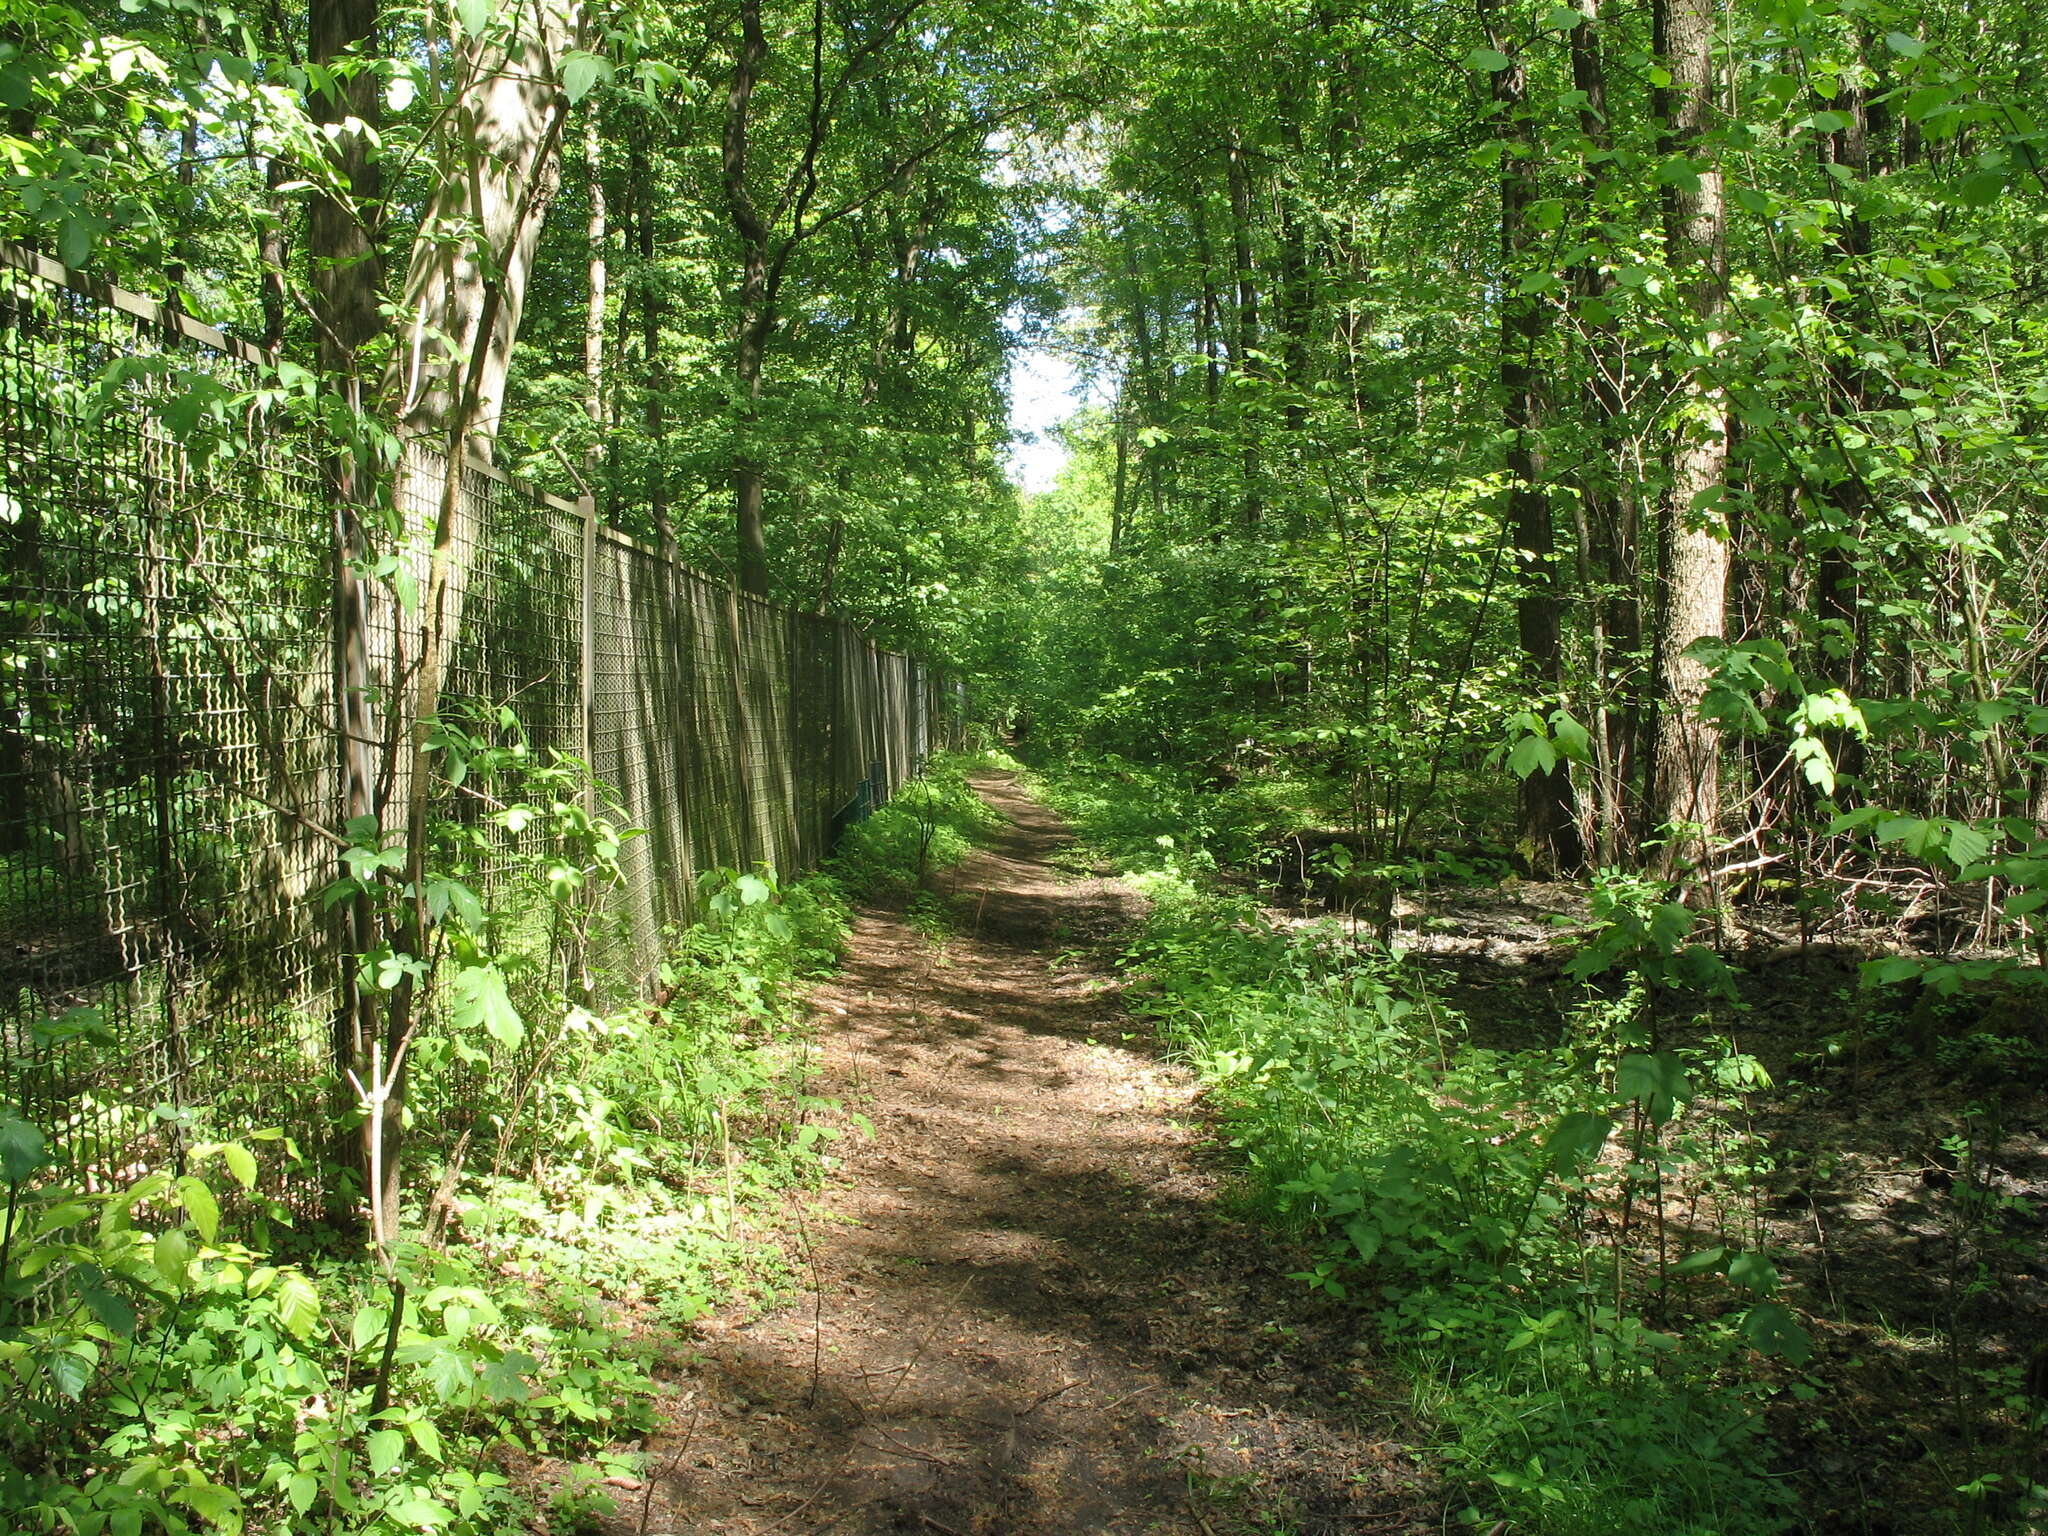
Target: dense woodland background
{"type": "Point", "coordinates": [1596, 447]}
{"type": "Point", "coordinates": [1648, 394]}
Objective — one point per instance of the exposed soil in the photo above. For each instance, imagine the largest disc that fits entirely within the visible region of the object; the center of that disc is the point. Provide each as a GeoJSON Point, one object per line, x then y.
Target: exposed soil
{"type": "Point", "coordinates": [1031, 1309]}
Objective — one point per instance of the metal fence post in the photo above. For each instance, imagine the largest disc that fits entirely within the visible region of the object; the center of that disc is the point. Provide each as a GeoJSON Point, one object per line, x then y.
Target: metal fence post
{"type": "Point", "coordinates": [587, 654]}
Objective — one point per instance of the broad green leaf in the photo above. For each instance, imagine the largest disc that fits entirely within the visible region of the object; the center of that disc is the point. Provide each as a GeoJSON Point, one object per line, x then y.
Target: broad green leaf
{"type": "Point", "coordinates": [1981, 189]}
{"type": "Point", "coordinates": [241, 1162]}
{"type": "Point", "coordinates": [171, 1254]}
{"type": "Point", "coordinates": [1532, 754]}
{"type": "Point", "coordinates": [1578, 1137]}
{"type": "Point", "coordinates": [22, 1149]}
{"type": "Point", "coordinates": [581, 72]}
{"type": "Point", "coordinates": [298, 1304]}
{"type": "Point", "coordinates": [115, 1312]}
{"type": "Point", "coordinates": [219, 1507]}
{"type": "Point", "coordinates": [1754, 1272]}
{"type": "Point", "coordinates": [1703, 1262]}
{"type": "Point", "coordinates": [1488, 61]}
{"type": "Point", "coordinates": [384, 1447]}
{"type": "Point", "coordinates": [1966, 845]}
{"type": "Point", "coordinates": [504, 1379]}
{"type": "Point", "coordinates": [1772, 1330]}
{"type": "Point", "coordinates": [69, 1369]}
{"type": "Point", "coordinates": [480, 1000]}
{"type": "Point", "coordinates": [200, 1206]}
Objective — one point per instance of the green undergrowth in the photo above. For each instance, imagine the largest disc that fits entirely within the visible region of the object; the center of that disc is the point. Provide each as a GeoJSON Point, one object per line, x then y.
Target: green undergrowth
{"type": "Point", "coordinates": [929, 825]}
{"type": "Point", "coordinates": [1506, 1223]}
{"type": "Point", "coordinates": [585, 1189]}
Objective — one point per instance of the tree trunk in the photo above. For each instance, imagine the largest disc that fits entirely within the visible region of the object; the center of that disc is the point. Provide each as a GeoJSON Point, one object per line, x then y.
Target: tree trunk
{"type": "Point", "coordinates": [1246, 342]}
{"type": "Point", "coordinates": [598, 233]}
{"type": "Point", "coordinates": [1685, 778]}
{"type": "Point", "coordinates": [1549, 815]}
{"type": "Point", "coordinates": [756, 301]}
{"type": "Point", "coordinates": [654, 375]}
{"type": "Point", "coordinates": [1606, 510]}
{"type": "Point", "coordinates": [500, 166]}
{"type": "Point", "coordinates": [346, 279]}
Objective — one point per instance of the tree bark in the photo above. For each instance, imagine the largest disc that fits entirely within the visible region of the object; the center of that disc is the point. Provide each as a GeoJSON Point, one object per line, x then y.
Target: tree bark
{"type": "Point", "coordinates": [1685, 780]}
{"type": "Point", "coordinates": [597, 235]}
{"type": "Point", "coordinates": [1549, 813]}
{"type": "Point", "coordinates": [1606, 511]}
{"type": "Point", "coordinates": [346, 281]}
{"type": "Point", "coordinates": [757, 316]}
{"type": "Point", "coordinates": [500, 165]}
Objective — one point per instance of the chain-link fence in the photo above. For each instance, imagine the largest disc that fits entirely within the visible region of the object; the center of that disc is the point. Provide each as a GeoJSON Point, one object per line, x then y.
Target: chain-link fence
{"type": "Point", "coordinates": [168, 779]}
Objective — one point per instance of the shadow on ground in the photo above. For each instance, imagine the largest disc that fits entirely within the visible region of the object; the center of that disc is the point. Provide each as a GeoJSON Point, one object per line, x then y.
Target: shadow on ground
{"type": "Point", "coordinates": [1031, 1311]}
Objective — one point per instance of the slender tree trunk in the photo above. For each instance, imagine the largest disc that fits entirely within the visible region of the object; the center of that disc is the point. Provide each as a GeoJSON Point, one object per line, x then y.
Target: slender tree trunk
{"type": "Point", "coordinates": [1549, 815]}
{"type": "Point", "coordinates": [654, 373]}
{"type": "Point", "coordinates": [1605, 512]}
{"type": "Point", "coordinates": [597, 235]}
{"type": "Point", "coordinates": [346, 280]}
{"type": "Point", "coordinates": [500, 166]}
{"type": "Point", "coordinates": [1238, 179]}
{"type": "Point", "coordinates": [1685, 778]}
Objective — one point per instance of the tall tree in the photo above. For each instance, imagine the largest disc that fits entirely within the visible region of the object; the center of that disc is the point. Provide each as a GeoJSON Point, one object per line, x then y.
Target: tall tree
{"type": "Point", "coordinates": [1692, 525]}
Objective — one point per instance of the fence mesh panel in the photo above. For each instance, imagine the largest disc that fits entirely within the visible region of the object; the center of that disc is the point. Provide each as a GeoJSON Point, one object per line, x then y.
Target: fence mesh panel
{"type": "Point", "coordinates": [168, 790]}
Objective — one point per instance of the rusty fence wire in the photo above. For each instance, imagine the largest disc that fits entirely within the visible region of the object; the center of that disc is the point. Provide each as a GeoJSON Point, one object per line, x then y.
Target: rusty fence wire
{"type": "Point", "coordinates": [168, 777]}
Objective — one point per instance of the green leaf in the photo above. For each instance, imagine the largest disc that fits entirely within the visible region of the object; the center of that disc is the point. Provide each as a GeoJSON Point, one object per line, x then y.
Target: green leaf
{"type": "Point", "coordinates": [385, 1447]}
{"type": "Point", "coordinates": [22, 1148]}
{"type": "Point", "coordinates": [1892, 970]}
{"type": "Point", "coordinates": [581, 72]}
{"type": "Point", "coordinates": [241, 1163]}
{"type": "Point", "coordinates": [1365, 1239]}
{"type": "Point", "coordinates": [1679, 172]}
{"type": "Point", "coordinates": [200, 1206]}
{"type": "Point", "coordinates": [298, 1304]}
{"type": "Point", "coordinates": [1904, 46]}
{"type": "Point", "coordinates": [1703, 1262]}
{"type": "Point", "coordinates": [1772, 1330]}
{"type": "Point", "coordinates": [1754, 1272]}
{"type": "Point", "coordinates": [1966, 845]}
{"type": "Point", "coordinates": [172, 1256]}
{"type": "Point", "coordinates": [70, 1370]}
{"type": "Point", "coordinates": [214, 1504]}
{"type": "Point", "coordinates": [366, 1327]}
{"type": "Point", "coordinates": [1488, 61]}
{"type": "Point", "coordinates": [74, 242]}
{"type": "Point", "coordinates": [427, 1438]}
{"type": "Point", "coordinates": [1578, 1137]}
{"type": "Point", "coordinates": [1532, 754]}
{"type": "Point", "coordinates": [1849, 821]}
{"type": "Point", "coordinates": [504, 1379]}
{"type": "Point", "coordinates": [1981, 189]}
{"type": "Point", "coordinates": [473, 16]}
{"type": "Point", "coordinates": [1573, 740]}
{"type": "Point", "coordinates": [481, 1000]}
{"type": "Point", "coordinates": [115, 1312]}
{"type": "Point", "coordinates": [1659, 1082]}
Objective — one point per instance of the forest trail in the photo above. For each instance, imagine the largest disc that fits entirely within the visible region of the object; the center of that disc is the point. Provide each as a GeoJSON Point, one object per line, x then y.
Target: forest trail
{"type": "Point", "coordinates": [1031, 1314]}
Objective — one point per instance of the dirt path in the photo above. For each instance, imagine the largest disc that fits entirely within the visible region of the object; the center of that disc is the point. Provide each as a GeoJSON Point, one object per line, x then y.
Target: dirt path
{"type": "Point", "coordinates": [1031, 1314]}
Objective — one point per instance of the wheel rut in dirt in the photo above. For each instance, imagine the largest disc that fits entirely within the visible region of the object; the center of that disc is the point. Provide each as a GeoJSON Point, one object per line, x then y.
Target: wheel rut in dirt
{"type": "Point", "coordinates": [1030, 1312]}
